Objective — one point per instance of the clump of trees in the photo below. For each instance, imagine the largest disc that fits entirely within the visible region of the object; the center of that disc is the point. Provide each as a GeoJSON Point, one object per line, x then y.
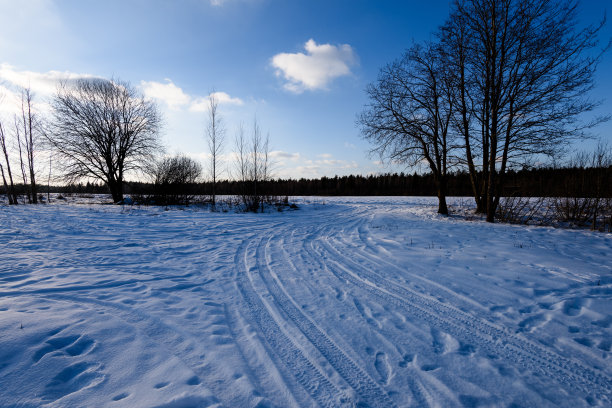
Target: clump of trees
{"type": "Point", "coordinates": [580, 195]}
{"type": "Point", "coordinates": [253, 167]}
{"type": "Point", "coordinates": [505, 81]}
{"type": "Point", "coordinates": [27, 134]}
{"type": "Point", "coordinates": [576, 207]}
{"type": "Point", "coordinates": [175, 179]}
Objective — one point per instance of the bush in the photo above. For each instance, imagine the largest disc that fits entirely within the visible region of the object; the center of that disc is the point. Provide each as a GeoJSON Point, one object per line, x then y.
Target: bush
{"type": "Point", "coordinates": [175, 179]}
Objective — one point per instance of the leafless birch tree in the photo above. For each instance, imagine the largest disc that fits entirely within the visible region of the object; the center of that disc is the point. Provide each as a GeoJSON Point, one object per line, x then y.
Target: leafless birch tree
{"type": "Point", "coordinates": [215, 134]}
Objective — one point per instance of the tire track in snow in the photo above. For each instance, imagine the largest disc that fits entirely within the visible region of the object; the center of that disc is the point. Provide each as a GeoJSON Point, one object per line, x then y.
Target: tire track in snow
{"type": "Point", "coordinates": [371, 256]}
{"type": "Point", "coordinates": [494, 339]}
{"type": "Point", "coordinates": [462, 325]}
{"type": "Point", "coordinates": [422, 397]}
{"type": "Point", "coordinates": [296, 364]}
{"type": "Point", "coordinates": [367, 390]}
{"type": "Point", "coordinates": [258, 372]}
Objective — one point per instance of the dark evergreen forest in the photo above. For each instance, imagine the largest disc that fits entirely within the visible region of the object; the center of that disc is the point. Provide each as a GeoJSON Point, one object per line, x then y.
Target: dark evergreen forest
{"type": "Point", "coordinates": [539, 182]}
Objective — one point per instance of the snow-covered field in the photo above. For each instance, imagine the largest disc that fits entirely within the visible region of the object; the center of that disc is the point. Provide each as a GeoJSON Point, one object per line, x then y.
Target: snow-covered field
{"type": "Point", "coordinates": [346, 302]}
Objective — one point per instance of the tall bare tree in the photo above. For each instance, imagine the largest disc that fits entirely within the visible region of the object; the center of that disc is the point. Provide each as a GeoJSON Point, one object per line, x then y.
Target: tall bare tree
{"type": "Point", "coordinates": [409, 113]}
{"type": "Point", "coordinates": [20, 148]}
{"type": "Point", "coordinates": [523, 71]}
{"type": "Point", "coordinates": [215, 134]}
{"type": "Point", "coordinates": [240, 146]}
{"type": "Point", "coordinates": [10, 188]}
{"type": "Point", "coordinates": [28, 132]}
{"type": "Point", "coordinates": [103, 129]}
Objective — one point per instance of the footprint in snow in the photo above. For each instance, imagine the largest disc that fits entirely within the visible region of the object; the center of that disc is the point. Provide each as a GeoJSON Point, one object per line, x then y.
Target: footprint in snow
{"type": "Point", "coordinates": [585, 341]}
{"type": "Point", "coordinates": [573, 307]}
{"type": "Point", "coordinates": [193, 380]}
{"type": "Point", "coordinates": [383, 367]}
{"type": "Point", "coordinates": [430, 367]}
{"type": "Point", "coordinates": [340, 294]}
{"type": "Point", "coordinates": [121, 396]}
{"type": "Point", "coordinates": [161, 385]}
{"type": "Point", "coordinates": [73, 378]}
{"type": "Point", "coordinates": [408, 359]}
{"type": "Point", "coordinates": [73, 345]}
{"type": "Point", "coordinates": [605, 345]}
{"type": "Point", "coordinates": [533, 322]}
{"type": "Point", "coordinates": [443, 342]}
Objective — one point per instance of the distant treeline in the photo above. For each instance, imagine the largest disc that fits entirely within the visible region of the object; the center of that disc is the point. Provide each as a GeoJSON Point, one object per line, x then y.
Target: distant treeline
{"type": "Point", "coordinates": [539, 182]}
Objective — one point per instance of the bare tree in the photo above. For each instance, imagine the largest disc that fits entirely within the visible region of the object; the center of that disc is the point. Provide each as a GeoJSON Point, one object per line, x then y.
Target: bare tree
{"type": "Point", "coordinates": [523, 70]}
{"type": "Point", "coordinates": [20, 148]}
{"type": "Point", "coordinates": [33, 127]}
{"type": "Point", "coordinates": [103, 129]}
{"type": "Point", "coordinates": [241, 160]}
{"type": "Point", "coordinates": [253, 166]}
{"type": "Point", "coordinates": [215, 133]}
{"type": "Point", "coordinates": [409, 114]}
{"type": "Point", "coordinates": [259, 169]}
{"type": "Point", "coordinates": [28, 130]}
{"type": "Point", "coordinates": [10, 188]}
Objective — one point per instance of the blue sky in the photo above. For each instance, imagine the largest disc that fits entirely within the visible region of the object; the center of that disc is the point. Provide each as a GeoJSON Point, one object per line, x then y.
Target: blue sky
{"type": "Point", "coordinates": [246, 50]}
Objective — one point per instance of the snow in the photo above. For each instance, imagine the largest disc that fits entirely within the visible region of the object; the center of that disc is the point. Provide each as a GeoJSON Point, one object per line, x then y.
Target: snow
{"type": "Point", "coordinates": [360, 301]}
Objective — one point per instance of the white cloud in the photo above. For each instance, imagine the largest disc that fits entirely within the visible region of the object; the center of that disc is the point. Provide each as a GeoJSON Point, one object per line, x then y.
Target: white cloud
{"type": "Point", "coordinates": [314, 70]}
{"type": "Point", "coordinates": [167, 92]}
{"type": "Point", "coordinates": [175, 98]}
{"type": "Point", "coordinates": [224, 98]}
{"type": "Point", "coordinates": [201, 104]}
{"type": "Point", "coordinates": [44, 83]}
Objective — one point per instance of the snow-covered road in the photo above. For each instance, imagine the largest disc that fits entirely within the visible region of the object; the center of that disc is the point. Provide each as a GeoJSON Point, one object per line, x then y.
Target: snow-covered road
{"type": "Point", "coordinates": [347, 302]}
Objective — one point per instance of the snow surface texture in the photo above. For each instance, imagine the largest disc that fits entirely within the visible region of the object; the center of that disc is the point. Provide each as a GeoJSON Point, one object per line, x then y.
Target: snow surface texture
{"type": "Point", "coordinates": [347, 302]}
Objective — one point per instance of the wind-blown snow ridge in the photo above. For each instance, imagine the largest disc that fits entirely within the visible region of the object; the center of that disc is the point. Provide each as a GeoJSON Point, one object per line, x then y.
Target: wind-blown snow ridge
{"type": "Point", "coordinates": [347, 302]}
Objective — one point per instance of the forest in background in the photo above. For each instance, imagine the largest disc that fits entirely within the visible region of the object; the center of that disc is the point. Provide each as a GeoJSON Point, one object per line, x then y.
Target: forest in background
{"type": "Point", "coordinates": [537, 182]}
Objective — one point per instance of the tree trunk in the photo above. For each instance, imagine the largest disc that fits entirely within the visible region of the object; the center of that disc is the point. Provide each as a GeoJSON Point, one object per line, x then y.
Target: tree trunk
{"type": "Point", "coordinates": [442, 207]}
{"type": "Point", "coordinates": [214, 182]}
{"type": "Point", "coordinates": [6, 187]}
{"type": "Point", "coordinates": [491, 203]}
{"type": "Point", "coordinates": [490, 197]}
{"type": "Point", "coordinates": [116, 190]}
{"type": "Point", "coordinates": [11, 188]}
{"type": "Point", "coordinates": [33, 187]}
{"type": "Point", "coordinates": [492, 179]}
